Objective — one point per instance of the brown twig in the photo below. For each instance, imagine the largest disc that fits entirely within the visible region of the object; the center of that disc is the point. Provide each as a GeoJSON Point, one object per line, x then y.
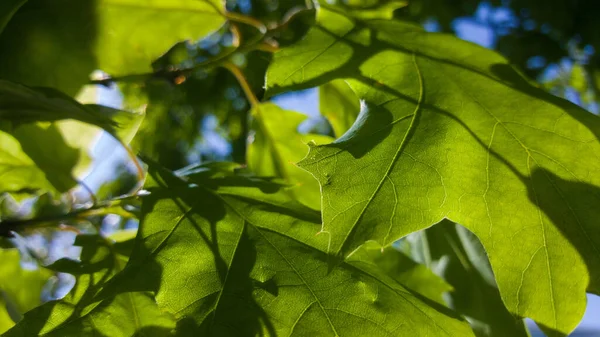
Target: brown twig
{"type": "Point", "coordinates": [102, 208]}
{"type": "Point", "coordinates": [239, 75]}
{"type": "Point", "coordinates": [262, 42]}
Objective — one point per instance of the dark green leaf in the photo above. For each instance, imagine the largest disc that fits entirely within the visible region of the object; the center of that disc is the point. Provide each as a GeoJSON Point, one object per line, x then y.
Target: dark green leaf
{"type": "Point", "coordinates": [231, 260]}
{"type": "Point", "coordinates": [449, 130]}
{"type": "Point", "coordinates": [42, 147]}
{"type": "Point", "coordinates": [21, 104]}
{"type": "Point", "coordinates": [59, 43]}
{"type": "Point", "coordinates": [80, 314]}
{"type": "Point", "coordinates": [8, 8]}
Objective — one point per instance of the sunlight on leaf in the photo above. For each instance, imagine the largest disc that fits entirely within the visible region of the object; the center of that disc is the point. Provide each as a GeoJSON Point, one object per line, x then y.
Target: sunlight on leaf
{"type": "Point", "coordinates": [277, 145]}
{"type": "Point", "coordinates": [449, 130]}
{"type": "Point", "coordinates": [233, 256]}
{"type": "Point", "coordinates": [20, 290]}
{"type": "Point", "coordinates": [80, 314]}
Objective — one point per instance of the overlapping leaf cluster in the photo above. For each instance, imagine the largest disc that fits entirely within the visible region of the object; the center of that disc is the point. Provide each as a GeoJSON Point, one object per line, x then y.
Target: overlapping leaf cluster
{"type": "Point", "coordinates": [429, 129]}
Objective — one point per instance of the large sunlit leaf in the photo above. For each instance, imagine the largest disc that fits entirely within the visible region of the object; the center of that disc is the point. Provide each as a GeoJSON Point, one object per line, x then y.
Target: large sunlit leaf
{"type": "Point", "coordinates": [277, 145]}
{"type": "Point", "coordinates": [20, 289]}
{"type": "Point", "coordinates": [79, 314]}
{"type": "Point", "coordinates": [59, 43]}
{"type": "Point", "coordinates": [449, 130]}
{"type": "Point", "coordinates": [456, 255]}
{"type": "Point", "coordinates": [230, 255]}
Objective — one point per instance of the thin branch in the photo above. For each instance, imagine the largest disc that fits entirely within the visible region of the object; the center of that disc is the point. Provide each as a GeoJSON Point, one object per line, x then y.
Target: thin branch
{"type": "Point", "coordinates": [237, 17]}
{"type": "Point", "coordinates": [289, 17]}
{"type": "Point", "coordinates": [269, 46]}
{"type": "Point", "coordinates": [239, 75]}
{"type": "Point", "coordinates": [89, 191]}
{"type": "Point", "coordinates": [259, 42]}
{"type": "Point", "coordinates": [102, 208]}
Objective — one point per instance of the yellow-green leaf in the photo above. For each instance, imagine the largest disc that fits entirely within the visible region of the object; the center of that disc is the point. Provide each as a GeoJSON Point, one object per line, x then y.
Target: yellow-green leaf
{"type": "Point", "coordinates": [277, 145]}
{"type": "Point", "coordinates": [450, 130]}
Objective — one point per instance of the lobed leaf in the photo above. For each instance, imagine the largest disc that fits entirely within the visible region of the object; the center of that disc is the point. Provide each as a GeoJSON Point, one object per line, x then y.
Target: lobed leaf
{"type": "Point", "coordinates": [233, 256]}
{"type": "Point", "coordinates": [456, 255]}
{"type": "Point", "coordinates": [449, 130]}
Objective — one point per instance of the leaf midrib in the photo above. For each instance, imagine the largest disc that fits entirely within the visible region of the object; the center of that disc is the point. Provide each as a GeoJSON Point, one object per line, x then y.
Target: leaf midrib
{"type": "Point", "coordinates": [278, 251]}
{"type": "Point", "coordinates": [260, 230]}
{"type": "Point", "coordinates": [411, 126]}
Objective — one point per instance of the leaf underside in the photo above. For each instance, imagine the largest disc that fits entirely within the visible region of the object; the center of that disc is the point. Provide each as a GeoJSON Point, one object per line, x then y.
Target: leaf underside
{"type": "Point", "coordinates": [449, 130]}
{"type": "Point", "coordinates": [262, 270]}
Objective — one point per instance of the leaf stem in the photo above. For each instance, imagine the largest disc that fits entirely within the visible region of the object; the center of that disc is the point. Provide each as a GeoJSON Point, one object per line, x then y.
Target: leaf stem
{"type": "Point", "coordinates": [113, 206]}
{"type": "Point", "coordinates": [239, 75]}
{"type": "Point", "coordinates": [260, 42]}
{"type": "Point", "coordinates": [237, 17]}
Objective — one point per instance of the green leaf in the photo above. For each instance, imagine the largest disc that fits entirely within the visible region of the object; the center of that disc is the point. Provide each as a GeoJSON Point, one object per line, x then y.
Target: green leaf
{"type": "Point", "coordinates": [20, 289]}
{"type": "Point", "coordinates": [405, 270]}
{"type": "Point", "coordinates": [455, 254]}
{"type": "Point", "coordinates": [8, 8]}
{"type": "Point", "coordinates": [49, 153]}
{"type": "Point", "coordinates": [231, 256]}
{"type": "Point", "coordinates": [366, 9]}
{"type": "Point", "coordinates": [276, 145]}
{"type": "Point", "coordinates": [38, 155]}
{"type": "Point", "coordinates": [127, 122]}
{"type": "Point", "coordinates": [339, 104]}
{"type": "Point", "coordinates": [80, 314]}
{"type": "Point", "coordinates": [18, 171]}
{"type": "Point", "coordinates": [60, 43]}
{"type": "Point", "coordinates": [22, 104]}
{"type": "Point", "coordinates": [449, 130]}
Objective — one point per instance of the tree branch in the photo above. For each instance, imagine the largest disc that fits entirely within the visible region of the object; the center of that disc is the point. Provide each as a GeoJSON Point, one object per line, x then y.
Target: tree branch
{"type": "Point", "coordinates": [114, 206]}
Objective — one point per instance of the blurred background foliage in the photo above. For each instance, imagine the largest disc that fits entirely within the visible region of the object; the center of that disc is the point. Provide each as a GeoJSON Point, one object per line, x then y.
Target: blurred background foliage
{"type": "Point", "coordinates": [203, 115]}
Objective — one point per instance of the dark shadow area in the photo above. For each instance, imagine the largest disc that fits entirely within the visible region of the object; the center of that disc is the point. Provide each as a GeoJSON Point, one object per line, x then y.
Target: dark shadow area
{"type": "Point", "coordinates": [265, 185]}
{"type": "Point", "coordinates": [237, 313]}
{"type": "Point", "coordinates": [50, 43]}
{"type": "Point", "coordinates": [564, 201]}
{"type": "Point", "coordinates": [234, 312]}
{"type": "Point", "coordinates": [49, 151]}
{"type": "Point", "coordinates": [96, 266]}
